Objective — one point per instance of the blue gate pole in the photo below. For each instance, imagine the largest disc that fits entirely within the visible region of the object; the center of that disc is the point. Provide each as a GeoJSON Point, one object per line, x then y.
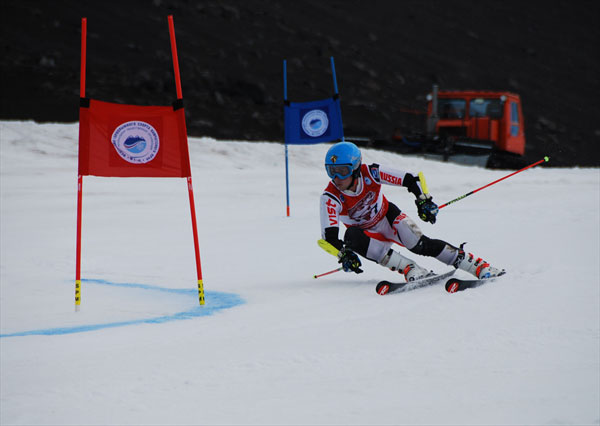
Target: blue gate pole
{"type": "Point", "coordinates": [287, 180]}
{"type": "Point", "coordinates": [335, 89]}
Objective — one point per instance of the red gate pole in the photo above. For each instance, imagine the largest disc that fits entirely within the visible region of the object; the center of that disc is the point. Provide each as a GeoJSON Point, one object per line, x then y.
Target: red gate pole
{"type": "Point", "coordinates": [83, 56]}
{"type": "Point", "coordinates": [189, 178]}
{"type": "Point", "coordinates": [80, 177]}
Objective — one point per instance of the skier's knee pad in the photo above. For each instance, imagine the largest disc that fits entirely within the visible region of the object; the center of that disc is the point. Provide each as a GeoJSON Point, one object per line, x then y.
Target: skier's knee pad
{"type": "Point", "coordinates": [428, 247]}
{"type": "Point", "coordinates": [356, 239]}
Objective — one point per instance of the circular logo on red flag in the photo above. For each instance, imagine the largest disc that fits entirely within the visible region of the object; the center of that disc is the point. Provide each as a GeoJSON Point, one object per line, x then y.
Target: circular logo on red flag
{"type": "Point", "coordinates": [136, 142]}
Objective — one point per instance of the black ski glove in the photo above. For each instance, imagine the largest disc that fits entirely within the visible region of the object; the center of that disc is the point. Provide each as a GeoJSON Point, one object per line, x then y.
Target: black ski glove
{"type": "Point", "coordinates": [349, 260]}
{"type": "Point", "coordinates": [427, 209]}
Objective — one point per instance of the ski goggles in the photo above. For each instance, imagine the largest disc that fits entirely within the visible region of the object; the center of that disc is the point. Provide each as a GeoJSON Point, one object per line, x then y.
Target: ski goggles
{"type": "Point", "coordinates": [340, 171]}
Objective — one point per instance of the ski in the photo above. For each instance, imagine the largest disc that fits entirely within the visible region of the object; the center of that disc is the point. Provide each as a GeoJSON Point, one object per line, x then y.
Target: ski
{"type": "Point", "coordinates": [454, 284]}
{"type": "Point", "coordinates": [386, 287]}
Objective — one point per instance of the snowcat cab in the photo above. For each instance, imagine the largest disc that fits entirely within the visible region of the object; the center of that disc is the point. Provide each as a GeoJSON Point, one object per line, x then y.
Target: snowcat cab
{"type": "Point", "coordinates": [472, 126]}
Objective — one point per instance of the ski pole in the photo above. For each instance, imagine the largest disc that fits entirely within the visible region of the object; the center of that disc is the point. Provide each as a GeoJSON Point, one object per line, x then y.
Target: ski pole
{"type": "Point", "coordinates": [327, 273]}
{"type": "Point", "coordinates": [332, 251]}
{"type": "Point", "coordinates": [496, 181]}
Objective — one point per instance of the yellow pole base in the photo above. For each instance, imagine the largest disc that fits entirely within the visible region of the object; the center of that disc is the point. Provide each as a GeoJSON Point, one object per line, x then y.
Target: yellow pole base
{"type": "Point", "coordinates": [201, 292]}
{"type": "Point", "coordinates": [77, 295]}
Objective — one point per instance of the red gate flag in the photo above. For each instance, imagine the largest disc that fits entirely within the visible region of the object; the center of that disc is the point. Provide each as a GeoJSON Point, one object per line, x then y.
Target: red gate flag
{"type": "Point", "coordinates": [132, 141]}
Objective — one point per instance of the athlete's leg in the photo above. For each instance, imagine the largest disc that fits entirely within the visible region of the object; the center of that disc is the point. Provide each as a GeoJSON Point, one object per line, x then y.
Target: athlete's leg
{"type": "Point", "coordinates": [358, 241]}
{"type": "Point", "coordinates": [411, 236]}
{"type": "Point", "coordinates": [413, 239]}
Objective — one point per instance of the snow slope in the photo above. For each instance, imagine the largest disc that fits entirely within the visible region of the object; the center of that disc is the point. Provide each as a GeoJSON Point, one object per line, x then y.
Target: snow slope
{"type": "Point", "coordinates": [272, 345]}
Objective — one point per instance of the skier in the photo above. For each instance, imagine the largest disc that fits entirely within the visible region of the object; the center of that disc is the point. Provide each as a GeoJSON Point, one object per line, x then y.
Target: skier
{"type": "Point", "coordinates": [354, 197]}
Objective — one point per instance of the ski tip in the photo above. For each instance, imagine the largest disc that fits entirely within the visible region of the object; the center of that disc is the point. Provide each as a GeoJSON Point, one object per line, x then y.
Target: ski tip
{"type": "Point", "coordinates": [452, 286]}
{"type": "Point", "coordinates": [382, 288]}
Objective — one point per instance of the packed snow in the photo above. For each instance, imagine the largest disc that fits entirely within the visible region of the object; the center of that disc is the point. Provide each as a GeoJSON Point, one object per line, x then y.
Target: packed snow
{"type": "Point", "coordinates": [272, 345]}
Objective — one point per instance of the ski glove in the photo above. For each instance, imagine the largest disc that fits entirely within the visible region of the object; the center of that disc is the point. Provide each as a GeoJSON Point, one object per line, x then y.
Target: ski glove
{"type": "Point", "coordinates": [427, 209]}
{"type": "Point", "coordinates": [349, 260]}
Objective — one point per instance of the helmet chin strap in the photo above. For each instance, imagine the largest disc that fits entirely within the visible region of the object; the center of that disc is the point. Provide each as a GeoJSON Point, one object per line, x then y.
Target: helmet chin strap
{"type": "Point", "coordinates": [355, 175]}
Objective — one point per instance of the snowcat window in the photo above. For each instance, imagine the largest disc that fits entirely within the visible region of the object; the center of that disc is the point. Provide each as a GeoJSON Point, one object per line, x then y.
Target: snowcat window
{"type": "Point", "coordinates": [451, 108]}
{"type": "Point", "coordinates": [514, 119]}
{"type": "Point", "coordinates": [485, 108]}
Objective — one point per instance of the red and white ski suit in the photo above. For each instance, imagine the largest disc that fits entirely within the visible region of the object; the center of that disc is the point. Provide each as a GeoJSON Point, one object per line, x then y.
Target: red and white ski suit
{"type": "Point", "coordinates": [368, 210]}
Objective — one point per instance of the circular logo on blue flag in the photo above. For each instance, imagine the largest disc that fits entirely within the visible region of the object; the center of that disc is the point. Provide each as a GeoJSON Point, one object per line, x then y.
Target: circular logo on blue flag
{"type": "Point", "coordinates": [136, 142]}
{"type": "Point", "coordinates": [315, 123]}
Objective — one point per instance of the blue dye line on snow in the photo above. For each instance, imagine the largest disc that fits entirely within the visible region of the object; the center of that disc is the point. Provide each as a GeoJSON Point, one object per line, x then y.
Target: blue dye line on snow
{"type": "Point", "coordinates": [214, 301]}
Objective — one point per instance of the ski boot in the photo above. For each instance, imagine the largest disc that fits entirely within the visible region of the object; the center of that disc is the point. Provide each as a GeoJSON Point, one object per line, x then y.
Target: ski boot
{"type": "Point", "coordinates": [409, 268]}
{"type": "Point", "coordinates": [475, 266]}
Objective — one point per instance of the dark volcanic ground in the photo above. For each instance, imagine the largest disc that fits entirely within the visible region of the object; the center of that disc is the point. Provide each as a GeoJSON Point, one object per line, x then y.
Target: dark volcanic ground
{"type": "Point", "coordinates": [388, 54]}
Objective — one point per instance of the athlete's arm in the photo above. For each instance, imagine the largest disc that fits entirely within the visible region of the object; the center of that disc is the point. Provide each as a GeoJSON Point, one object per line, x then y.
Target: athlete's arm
{"type": "Point", "coordinates": [391, 176]}
{"type": "Point", "coordinates": [330, 209]}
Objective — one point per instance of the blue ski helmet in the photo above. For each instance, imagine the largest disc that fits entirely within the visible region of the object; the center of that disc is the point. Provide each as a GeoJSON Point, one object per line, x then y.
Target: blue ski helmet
{"type": "Point", "coordinates": [342, 160]}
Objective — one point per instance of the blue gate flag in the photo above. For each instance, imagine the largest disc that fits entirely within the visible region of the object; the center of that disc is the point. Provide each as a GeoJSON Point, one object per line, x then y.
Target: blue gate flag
{"type": "Point", "coordinates": [309, 123]}
{"type": "Point", "coordinates": [313, 122]}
